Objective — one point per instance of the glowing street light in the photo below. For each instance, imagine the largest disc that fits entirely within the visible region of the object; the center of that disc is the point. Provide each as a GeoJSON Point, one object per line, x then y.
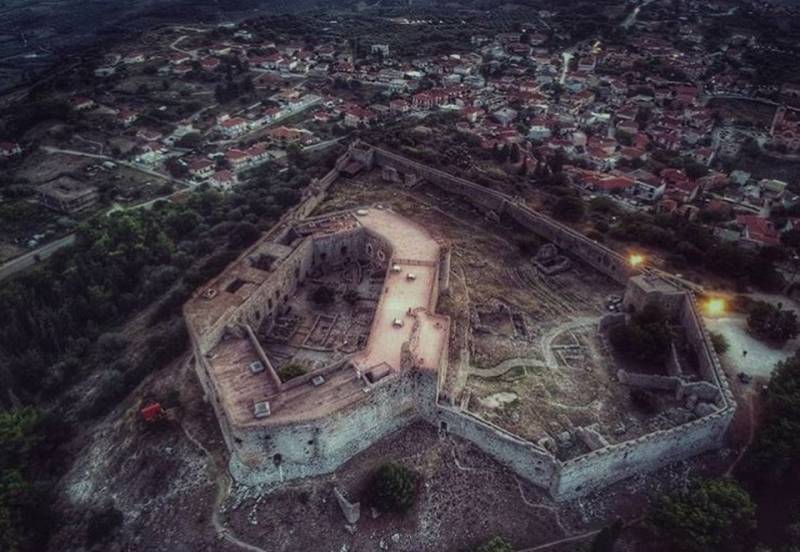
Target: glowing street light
{"type": "Point", "coordinates": [716, 306]}
{"type": "Point", "coordinates": [636, 260]}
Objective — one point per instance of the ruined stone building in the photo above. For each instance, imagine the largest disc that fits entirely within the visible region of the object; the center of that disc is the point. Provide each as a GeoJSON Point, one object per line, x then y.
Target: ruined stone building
{"type": "Point", "coordinates": [279, 430]}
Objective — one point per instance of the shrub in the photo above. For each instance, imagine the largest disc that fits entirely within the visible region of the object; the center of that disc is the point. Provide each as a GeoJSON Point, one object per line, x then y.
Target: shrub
{"type": "Point", "coordinates": [351, 296]}
{"type": "Point", "coordinates": [644, 400]}
{"type": "Point", "coordinates": [291, 371]}
{"type": "Point", "coordinates": [646, 337]}
{"type": "Point", "coordinates": [323, 295]}
{"type": "Point", "coordinates": [720, 343]}
{"type": "Point", "coordinates": [495, 544]}
{"type": "Point", "coordinates": [393, 488]}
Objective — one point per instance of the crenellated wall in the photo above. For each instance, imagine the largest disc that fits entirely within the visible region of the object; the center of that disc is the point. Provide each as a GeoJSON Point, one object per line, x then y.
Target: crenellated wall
{"type": "Point", "coordinates": [265, 456]}
{"type": "Point", "coordinates": [530, 461]}
{"type": "Point", "coordinates": [279, 453]}
{"type": "Point", "coordinates": [592, 253]}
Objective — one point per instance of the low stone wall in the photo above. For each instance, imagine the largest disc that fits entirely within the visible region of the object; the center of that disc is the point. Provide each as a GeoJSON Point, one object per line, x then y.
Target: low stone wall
{"type": "Point", "coordinates": [655, 450]}
{"type": "Point", "coordinates": [649, 381]}
{"type": "Point", "coordinates": [530, 461]}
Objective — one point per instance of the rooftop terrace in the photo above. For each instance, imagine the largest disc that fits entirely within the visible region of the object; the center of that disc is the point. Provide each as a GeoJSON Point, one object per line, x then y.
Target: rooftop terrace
{"type": "Point", "coordinates": [404, 314]}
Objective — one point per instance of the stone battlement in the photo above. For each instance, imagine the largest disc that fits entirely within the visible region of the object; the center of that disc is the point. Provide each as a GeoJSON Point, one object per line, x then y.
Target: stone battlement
{"type": "Point", "coordinates": [309, 430]}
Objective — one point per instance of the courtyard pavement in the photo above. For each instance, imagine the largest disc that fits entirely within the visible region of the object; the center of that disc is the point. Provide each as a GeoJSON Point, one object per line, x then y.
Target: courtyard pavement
{"type": "Point", "coordinates": [761, 357]}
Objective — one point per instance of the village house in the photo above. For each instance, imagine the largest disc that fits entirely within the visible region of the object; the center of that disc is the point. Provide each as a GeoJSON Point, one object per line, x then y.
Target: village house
{"type": "Point", "coordinates": [223, 180]}
{"type": "Point", "coordinates": [201, 169]}
{"type": "Point", "coordinates": [647, 186]}
{"type": "Point", "coordinates": [234, 126]}
{"type": "Point", "coordinates": [283, 136]}
{"type": "Point", "coordinates": [355, 116]}
{"type": "Point", "coordinates": [67, 195]}
{"type": "Point", "coordinates": [134, 57]}
{"type": "Point", "coordinates": [399, 105]}
{"type": "Point", "coordinates": [210, 64]}
{"type": "Point", "coordinates": [151, 153]}
{"type": "Point", "coordinates": [82, 103]}
{"type": "Point", "coordinates": [127, 117]}
{"type": "Point", "coordinates": [749, 231]}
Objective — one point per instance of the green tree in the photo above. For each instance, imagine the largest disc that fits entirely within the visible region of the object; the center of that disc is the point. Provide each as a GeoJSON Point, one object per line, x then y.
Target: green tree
{"type": "Point", "coordinates": [777, 445]}
{"type": "Point", "coordinates": [19, 435]}
{"type": "Point", "coordinates": [720, 343]}
{"type": "Point", "coordinates": [646, 337]}
{"type": "Point", "coordinates": [495, 544]}
{"type": "Point", "coordinates": [772, 322]}
{"type": "Point", "coordinates": [393, 488]}
{"type": "Point", "coordinates": [708, 516]}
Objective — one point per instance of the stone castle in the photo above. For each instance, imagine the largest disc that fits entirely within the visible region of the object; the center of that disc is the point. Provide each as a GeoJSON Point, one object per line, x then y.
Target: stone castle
{"type": "Point", "coordinates": [311, 424]}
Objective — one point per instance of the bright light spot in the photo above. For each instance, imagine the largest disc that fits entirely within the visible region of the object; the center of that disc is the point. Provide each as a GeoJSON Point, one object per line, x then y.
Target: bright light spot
{"type": "Point", "coordinates": [716, 307]}
{"type": "Point", "coordinates": [636, 259]}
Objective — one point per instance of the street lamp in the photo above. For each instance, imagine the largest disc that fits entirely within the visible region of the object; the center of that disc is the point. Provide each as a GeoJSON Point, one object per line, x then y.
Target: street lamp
{"type": "Point", "coordinates": [636, 260]}
{"type": "Point", "coordinates": [716, 306]}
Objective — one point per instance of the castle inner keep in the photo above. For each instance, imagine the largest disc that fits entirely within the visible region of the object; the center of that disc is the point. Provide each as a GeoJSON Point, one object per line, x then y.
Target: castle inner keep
{"type": "Point", "coordinates": [391, 373]}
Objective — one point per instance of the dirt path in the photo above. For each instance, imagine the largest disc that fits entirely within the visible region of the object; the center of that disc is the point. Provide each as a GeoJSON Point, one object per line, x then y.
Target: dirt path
{"type": "Point", "coordinates": [547, 340]}
{"type": "Point", "coordinates": [745, 402]}
{"type": "Point", "coordinates": [506, 366]}
{"type": "Point", "coordinates": [223, 482]}
{"type": "Point", "coordinates": [573, 538]}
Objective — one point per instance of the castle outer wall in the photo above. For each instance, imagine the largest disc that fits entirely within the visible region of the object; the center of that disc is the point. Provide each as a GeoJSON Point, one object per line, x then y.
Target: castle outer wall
{"type": "Point", "coordinates": [284, 452]}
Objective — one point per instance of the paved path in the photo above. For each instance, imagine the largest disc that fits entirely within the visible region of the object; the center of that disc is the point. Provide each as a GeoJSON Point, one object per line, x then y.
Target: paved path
{"type": "Point", "coordinates": [566, 57]}
{"type": "Point", "coordinates": [177, 41]}
{"type": "Point", "coordinates": [29, 259]}
{"type": "Point", "coordinates": [761, 357]}
{"type": "Point", "coordinates": [546, 343]}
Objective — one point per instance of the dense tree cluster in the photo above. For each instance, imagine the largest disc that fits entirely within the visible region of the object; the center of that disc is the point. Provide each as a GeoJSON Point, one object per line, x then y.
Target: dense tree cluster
{"type": "Point", "coordinates": [777, 447]}
{"type": "Point", "coordinates": [645, 337]}
{"type": "Point", "coordinates": [61, 324]}
{"type": "Point", "coordinates": [709, 516]}
{"type": "Point", "coordinates": [691, 243]}
{"type": "Point", "coordinates": [23, 503]}
{"type": "Point", "coordinates": [772, 322]}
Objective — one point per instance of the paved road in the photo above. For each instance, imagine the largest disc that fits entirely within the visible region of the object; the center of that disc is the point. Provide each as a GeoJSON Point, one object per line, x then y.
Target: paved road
{"type": "Point", "coordinates": [631, 19]}
{"type": "Point", "coordinates": [566, 57]}
{"type": "Point", "coordinates": [31, 258]}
